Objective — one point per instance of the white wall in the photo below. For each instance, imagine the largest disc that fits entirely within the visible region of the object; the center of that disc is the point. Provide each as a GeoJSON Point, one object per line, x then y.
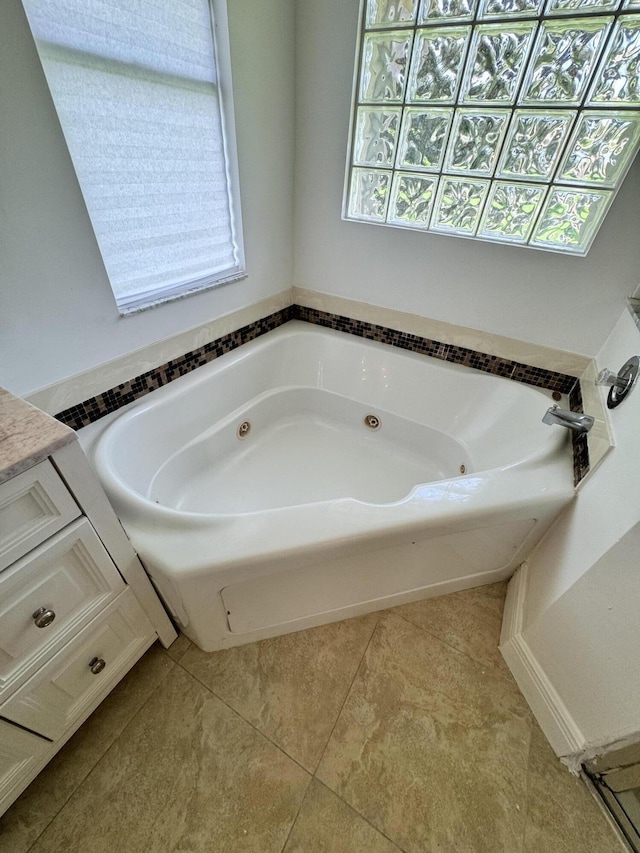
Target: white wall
{"type": "Point", "coordinates": [545, 298]}
{"type": "Point", "coordinates": [57, 314]}
{"type": "Point", "coordinates": [581, 619]}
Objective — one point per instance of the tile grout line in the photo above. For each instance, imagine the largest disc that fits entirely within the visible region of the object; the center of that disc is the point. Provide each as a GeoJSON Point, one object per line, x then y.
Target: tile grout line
{"type": "Point", "coordinates": [468, 657]}
{"type": "Point", "coordinates": [496, 672]}
{"type": "Point", "coordinates": [312, 776]}
{"type": "Point", "coordinates": [295, 820]}
{"type": "Point", "coordinates": [84, 779]}
{"type": "Point", "coordinates": [361, 816]}
{"type": "Point", "coordinates": [491, 667]}
{"type": "Point", "coordinates": [244, 720]}
{"type": "Point", "coordinates": [348, 692]}
{"type": "Point", "coordinates": [318, 780]}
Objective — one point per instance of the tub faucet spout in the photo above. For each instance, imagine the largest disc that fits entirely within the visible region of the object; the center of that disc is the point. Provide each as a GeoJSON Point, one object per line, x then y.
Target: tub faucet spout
{"type": "Point", "coordinates": [575, 421]}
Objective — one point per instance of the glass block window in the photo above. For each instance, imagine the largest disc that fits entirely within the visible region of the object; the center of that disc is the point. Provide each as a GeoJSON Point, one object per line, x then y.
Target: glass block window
{"type": "Point", "coordinates": [506, 120]}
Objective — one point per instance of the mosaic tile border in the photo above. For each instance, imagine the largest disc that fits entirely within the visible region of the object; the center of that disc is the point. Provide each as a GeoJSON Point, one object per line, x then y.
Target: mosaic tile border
{"type": "Point", "coordinates": [538, 376]}
{"type": "Point", "coordinates": [91, 410]}
{"type": "Point", "coordinates": [97, 407]}
{"type": "Point", "coordinates": [580, 447]}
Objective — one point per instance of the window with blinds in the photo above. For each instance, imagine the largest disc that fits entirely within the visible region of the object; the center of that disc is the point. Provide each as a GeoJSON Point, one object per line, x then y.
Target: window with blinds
{"type": "Point", "coordinates": [136, 85]}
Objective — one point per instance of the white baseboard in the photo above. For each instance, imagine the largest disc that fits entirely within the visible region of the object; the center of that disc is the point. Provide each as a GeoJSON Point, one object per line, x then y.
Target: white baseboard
{"type": "Point", "coordinates": [559, 727]}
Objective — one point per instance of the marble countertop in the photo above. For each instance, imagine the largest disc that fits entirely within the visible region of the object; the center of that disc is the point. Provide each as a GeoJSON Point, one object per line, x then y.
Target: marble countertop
{"type": "Point", "coordinates": [27, 435]}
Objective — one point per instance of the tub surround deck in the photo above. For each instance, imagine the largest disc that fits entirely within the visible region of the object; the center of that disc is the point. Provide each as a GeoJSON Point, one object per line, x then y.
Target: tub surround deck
{"type": "Point", "coordinates": [91, 410]}
{"type": "Point", "coordinates": [94, 408]}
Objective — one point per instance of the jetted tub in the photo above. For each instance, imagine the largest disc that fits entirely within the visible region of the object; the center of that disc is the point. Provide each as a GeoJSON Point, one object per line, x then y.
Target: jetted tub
{"type": "Point", "coordinates": [310, 476]}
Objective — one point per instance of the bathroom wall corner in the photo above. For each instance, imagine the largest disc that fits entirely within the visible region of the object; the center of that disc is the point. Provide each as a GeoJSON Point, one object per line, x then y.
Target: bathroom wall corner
{"type": "Point", "coordinates": [554, 718]}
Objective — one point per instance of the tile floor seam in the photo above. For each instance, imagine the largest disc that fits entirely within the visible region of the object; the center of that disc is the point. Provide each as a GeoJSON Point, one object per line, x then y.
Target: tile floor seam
{"type": "Point", "coordinates": [295, 820]}
{"type": "Point", "coordinates": [72, 794]}
{"type": "Point", "coordinates": [348, 692]}
{"type": "Point", "coordinates": [107, 750]}
{"type": "Point", "coordinates": [167, 651]}
{"type": "Point", "coordinates": [360, 815]}
{"type": "Point", "coordinates": [244, 719]}
{"type": "Point", "coordinates": [492, 669]}
{"type": "Point", "coordinates": [354, 806]}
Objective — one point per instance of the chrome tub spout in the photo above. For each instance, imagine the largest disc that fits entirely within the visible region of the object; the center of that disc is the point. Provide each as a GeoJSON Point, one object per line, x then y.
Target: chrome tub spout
{"type": "Point", "coordinates": [575, 421]}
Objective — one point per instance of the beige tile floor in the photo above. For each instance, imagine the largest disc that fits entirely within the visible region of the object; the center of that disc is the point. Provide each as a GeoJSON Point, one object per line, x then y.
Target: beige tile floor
{"type": "Point", "coordinates": [397, 731]}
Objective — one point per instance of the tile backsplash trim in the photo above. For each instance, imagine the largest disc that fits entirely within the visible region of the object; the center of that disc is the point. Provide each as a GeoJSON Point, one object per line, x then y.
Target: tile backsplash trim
{"type": "Point", "coordinates": [91, 410]}
{"type": "Point", "coordinates": [580, 447]}
{"type": "Point", "coordinates": [538, 376]}
{"type": "Point", "coordinates": [94, 408]}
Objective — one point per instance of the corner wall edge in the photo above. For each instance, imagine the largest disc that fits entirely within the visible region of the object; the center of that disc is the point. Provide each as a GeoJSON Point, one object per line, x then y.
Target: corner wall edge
{"type": "Point", "coordinates": [553, 716]}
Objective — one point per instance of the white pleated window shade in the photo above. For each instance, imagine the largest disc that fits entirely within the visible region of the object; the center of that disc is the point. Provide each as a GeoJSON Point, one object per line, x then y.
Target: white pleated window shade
{"type": "Point", "coordinates": [135, 85]}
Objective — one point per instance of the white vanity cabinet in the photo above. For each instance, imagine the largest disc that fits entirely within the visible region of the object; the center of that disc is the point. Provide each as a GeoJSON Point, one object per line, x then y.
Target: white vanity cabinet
{"type": "Point", "coordinates": [76, 607]}
{"type": "Point", "coordinates": [22, 754]}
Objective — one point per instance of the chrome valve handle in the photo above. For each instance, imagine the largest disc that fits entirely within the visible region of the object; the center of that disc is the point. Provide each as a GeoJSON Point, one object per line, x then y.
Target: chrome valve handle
{"type": "Point", "coordinates": [621, 383]}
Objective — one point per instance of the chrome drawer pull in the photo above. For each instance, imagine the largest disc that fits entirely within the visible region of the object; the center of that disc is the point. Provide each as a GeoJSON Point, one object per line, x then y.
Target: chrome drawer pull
{"type": "Point", "coordinates": [43, 617]}
{"type": "Point", "coordinates": [97, 665]}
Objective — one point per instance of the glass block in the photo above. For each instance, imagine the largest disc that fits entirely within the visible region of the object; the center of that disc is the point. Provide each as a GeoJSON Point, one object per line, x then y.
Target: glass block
{"type": "Point", "coordinates": [423, 138]}
{"type": "Point", "coordinates": [600, 149]}
{"type": "Point", "coordinates": [411, 200]}
{"type": "Point", "coordinates": [390, 13]}
{"type": "Point", "coordinates": [384, 66]}
{"type": "Point", "coordinates": [436, 11]}
{"type": "Point", "coordinates": [511, 211]}
{"type": "Point", "coordinates": [376, 135]}
{"type": "Point", "coordinates": [570, 219]}
{"type": "Point", "coordinates": [534, 144]}
{"type": "Point", "coordinates": [564, 56]}
{"type": "Point", "coordinates": [496, 62]}
{"type": "Point", "coordinates": [509, 8]}
{"type": "Point", "coordinates": [459, 205]}
{"type": "Point", "coordinates": [436, 66]}
{"type": "Point", "coordinates": [631, 4]}
{"type": "Point", "coordinates": [576, 7]}
{"type": "Point", "coordinates": [369, 194]}
{"type": "Point", "coordinates": [475, 141]}
{"type": "Point", "coordinates": [618, 79]}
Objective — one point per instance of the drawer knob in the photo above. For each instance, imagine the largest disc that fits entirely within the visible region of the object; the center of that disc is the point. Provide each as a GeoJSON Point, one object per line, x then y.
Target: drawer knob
{"type": "Point", "coordinates": [97, 665]}
{"type": "Point", "coordinates": [43, 617]}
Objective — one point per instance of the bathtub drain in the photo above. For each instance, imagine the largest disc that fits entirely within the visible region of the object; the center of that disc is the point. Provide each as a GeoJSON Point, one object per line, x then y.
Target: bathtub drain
{"type": "Point", "coordinates": [243, 429]}
{"type": "Point", "coordinates": [372, 421]}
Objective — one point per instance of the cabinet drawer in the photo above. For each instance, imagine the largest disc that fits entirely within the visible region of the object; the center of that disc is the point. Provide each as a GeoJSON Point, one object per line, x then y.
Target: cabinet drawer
{"type": "Point", "coordinates": [33, 506]}
{"type": "Point", "coordinates": [71, 576]}
{"type": "Point", "coordinates": [19, 752]}
{"type": "Point", "coordinates": [63, 690]}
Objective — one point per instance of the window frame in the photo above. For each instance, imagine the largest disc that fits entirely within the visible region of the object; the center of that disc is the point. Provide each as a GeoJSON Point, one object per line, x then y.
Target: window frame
{"type": "Point", "coordinates": [161, 295]}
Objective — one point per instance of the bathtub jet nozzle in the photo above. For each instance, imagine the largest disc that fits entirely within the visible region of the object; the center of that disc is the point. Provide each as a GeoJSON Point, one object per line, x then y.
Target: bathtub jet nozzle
{"type": "Point", "coordinates": [574, 421]}
{"type": "Point", "coordinates": [243, 429]}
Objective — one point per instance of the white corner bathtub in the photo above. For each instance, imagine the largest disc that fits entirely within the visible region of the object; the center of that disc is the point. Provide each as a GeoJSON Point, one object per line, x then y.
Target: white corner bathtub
{"type": "Point", "coordinates": [312, 516]}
